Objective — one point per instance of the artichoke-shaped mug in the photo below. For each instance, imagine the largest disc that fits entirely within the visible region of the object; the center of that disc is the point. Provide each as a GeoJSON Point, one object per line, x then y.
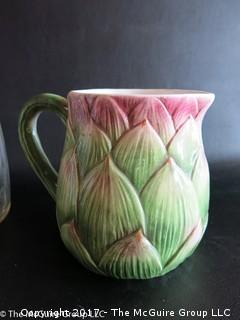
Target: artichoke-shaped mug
{"type": "Point", "coordinates": [132, 192]}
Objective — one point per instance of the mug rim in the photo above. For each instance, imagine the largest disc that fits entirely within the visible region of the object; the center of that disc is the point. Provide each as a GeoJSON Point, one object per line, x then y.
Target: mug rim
{"type": "Point", "coordinates": [141, 92]}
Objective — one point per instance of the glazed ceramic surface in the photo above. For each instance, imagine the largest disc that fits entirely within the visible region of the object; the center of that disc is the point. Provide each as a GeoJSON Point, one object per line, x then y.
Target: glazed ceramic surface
{"type": "Point", "coordinates": [132, 192]}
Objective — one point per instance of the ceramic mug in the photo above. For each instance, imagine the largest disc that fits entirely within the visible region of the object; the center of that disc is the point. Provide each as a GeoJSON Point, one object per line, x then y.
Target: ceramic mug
{"type": "Point", "coordinates": [132, 192]}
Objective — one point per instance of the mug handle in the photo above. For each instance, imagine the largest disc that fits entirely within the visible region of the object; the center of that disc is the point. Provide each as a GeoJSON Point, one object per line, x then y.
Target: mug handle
{"type": "Point", "coordinates": [29, 138]}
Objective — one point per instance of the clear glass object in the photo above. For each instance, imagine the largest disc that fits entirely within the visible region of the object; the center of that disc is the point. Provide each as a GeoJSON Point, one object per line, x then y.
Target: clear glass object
{"type": "Point", "coordinates": [5, 198]}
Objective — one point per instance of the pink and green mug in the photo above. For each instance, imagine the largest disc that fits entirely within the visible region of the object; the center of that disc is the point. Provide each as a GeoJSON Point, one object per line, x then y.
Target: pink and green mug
{"type": "Point", "coordinates": [132, 192]}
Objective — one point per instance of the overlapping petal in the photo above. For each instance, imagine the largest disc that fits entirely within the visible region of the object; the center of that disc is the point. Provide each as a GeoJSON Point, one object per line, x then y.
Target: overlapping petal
{"type": "Point", "coordinates": [201, 181]}
{"type": "Point", "coordinates": [185, 145]}
{"type": "Point", "coordinates": [132, 257]}
{"type": "Point", "coordinates": [92, 146]}
{"type": "Point", "coordinates": [205, 101]}
{"type": "Point", "coordinates": [127, 105]}
{"type": "Point", "coordinates": [107, 114]}
{"type": "Point", "coordinates": [139, 153]}
{"type": "Point", "coordinates": [181, 108]}
{"type": "Point", "coordinates": [154, 110]}
{"type": "Point", "coordinates": [75, 246]}
{"type": "Point", "coordinates": [186, 249]}
{"type": "Point", "coordinates": [171, 209]}
{"type": "Point", "coordinates": [109, 208]}
{"type": "Point", "coordinates": [68, 181]}
{"type": "Point", "coordinates": [68, 188]}
{"type": "Point", "coordinates": [78, 115]}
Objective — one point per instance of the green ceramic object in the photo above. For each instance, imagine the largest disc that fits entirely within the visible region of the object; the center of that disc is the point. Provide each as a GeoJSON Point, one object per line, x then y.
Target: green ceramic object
{"type": "Point", "coordinates": [132, 192]}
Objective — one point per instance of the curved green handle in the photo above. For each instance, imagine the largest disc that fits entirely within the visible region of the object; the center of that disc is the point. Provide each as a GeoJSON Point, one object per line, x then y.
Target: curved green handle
{"type": "Point", "coordinates": [29, 138]}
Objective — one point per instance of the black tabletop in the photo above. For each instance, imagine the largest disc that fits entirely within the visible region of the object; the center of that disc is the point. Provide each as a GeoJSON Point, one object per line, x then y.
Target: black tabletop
{"type": "Point", "coordinates": [37, 272]}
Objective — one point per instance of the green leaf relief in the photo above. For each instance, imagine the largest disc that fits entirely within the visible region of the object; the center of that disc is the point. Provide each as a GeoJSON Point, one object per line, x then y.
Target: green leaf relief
{"type": "Point", "coordinates": [92, 146]}
{"type": "Point", "coordinates": [157, 114]}
{"type": "Point", "coordinates": [198, 120]}
{"type": "Point", "coordinates": [67, 187]}
{"type": "Point", "coordinates": [69, 138]}
{"type": "Point", "coordinates": [132, 257]}
{"type": "Point", "coordinates": [185, 144]}
{"type": "Point", "coordinates": [186, 249]}
{"type": "Point", "coordinates": [139, 152]}
{"type": "Point", "coordinates": [200, 180]}
{"type": "Point", "coordinates": [74, 245]}
{"type": "Point", "coordinates": [171, 209]}
{"type": "Point", "coordinates": [110, 117]}
{"type": "Point", "coordinates": [186, 106]}
{"type": "Point", "coordinates": [78, 112]}
{"type": "Point", "coordinates": [109, 208]}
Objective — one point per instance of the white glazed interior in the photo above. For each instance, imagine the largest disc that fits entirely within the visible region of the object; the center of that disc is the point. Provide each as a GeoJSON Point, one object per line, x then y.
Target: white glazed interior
{"type": "Point", "coordinates": [142, 92]}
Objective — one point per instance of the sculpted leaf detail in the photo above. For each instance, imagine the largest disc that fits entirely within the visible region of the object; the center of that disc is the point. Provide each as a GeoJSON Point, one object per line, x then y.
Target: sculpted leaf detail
{"type": "Point", "coordinates": [132, 257]}
{"type": "Point", "coordinates": [139, 152]}
{"type": "Point", "coordinates": [107, 114]}
{"type": "Point", "coordinates": [186, 249]}
{"type": "Point", "coordinates": [181, 108]}
{"type": "Point", "coordinates": [187, 107]}
{"type": "Point", "coordinates": [75, 246]}
{"type": "Point", "coordinates": [199, 120]}
{"type": "Point", "coordinates": [185, 144]}
{"type": "Point", "coordinates": [170, 104]}
{"type": "Point", "coordinates": [154, 110]}
{"type": "Point", "coordinates": [70, 141]}
{"type": "Point", "coordinates": [127, 104]}
{"type": "Point", "coordinates": [133, 185]}
{"type": "Point", "coordinates": [171, 209]}
{"type": "Point", "coordinates": [67, 188]}
{"type": "Point", "coordinates": [109, 208]}
{"type": "Point", "coordinates": [78, 115]}
{"type": "Point", "coordinates": [205, 101]}
{"type": "Point", "coordinates": [68, 181]}
{"type": "Point", "coordinates": [92, 146]}
{"type": "Point", "coordinates": [201, 181]}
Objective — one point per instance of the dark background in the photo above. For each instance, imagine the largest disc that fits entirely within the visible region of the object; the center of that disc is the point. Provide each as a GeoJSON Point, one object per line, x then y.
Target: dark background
{"type": "Point", "coordinates": [55, 46]}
